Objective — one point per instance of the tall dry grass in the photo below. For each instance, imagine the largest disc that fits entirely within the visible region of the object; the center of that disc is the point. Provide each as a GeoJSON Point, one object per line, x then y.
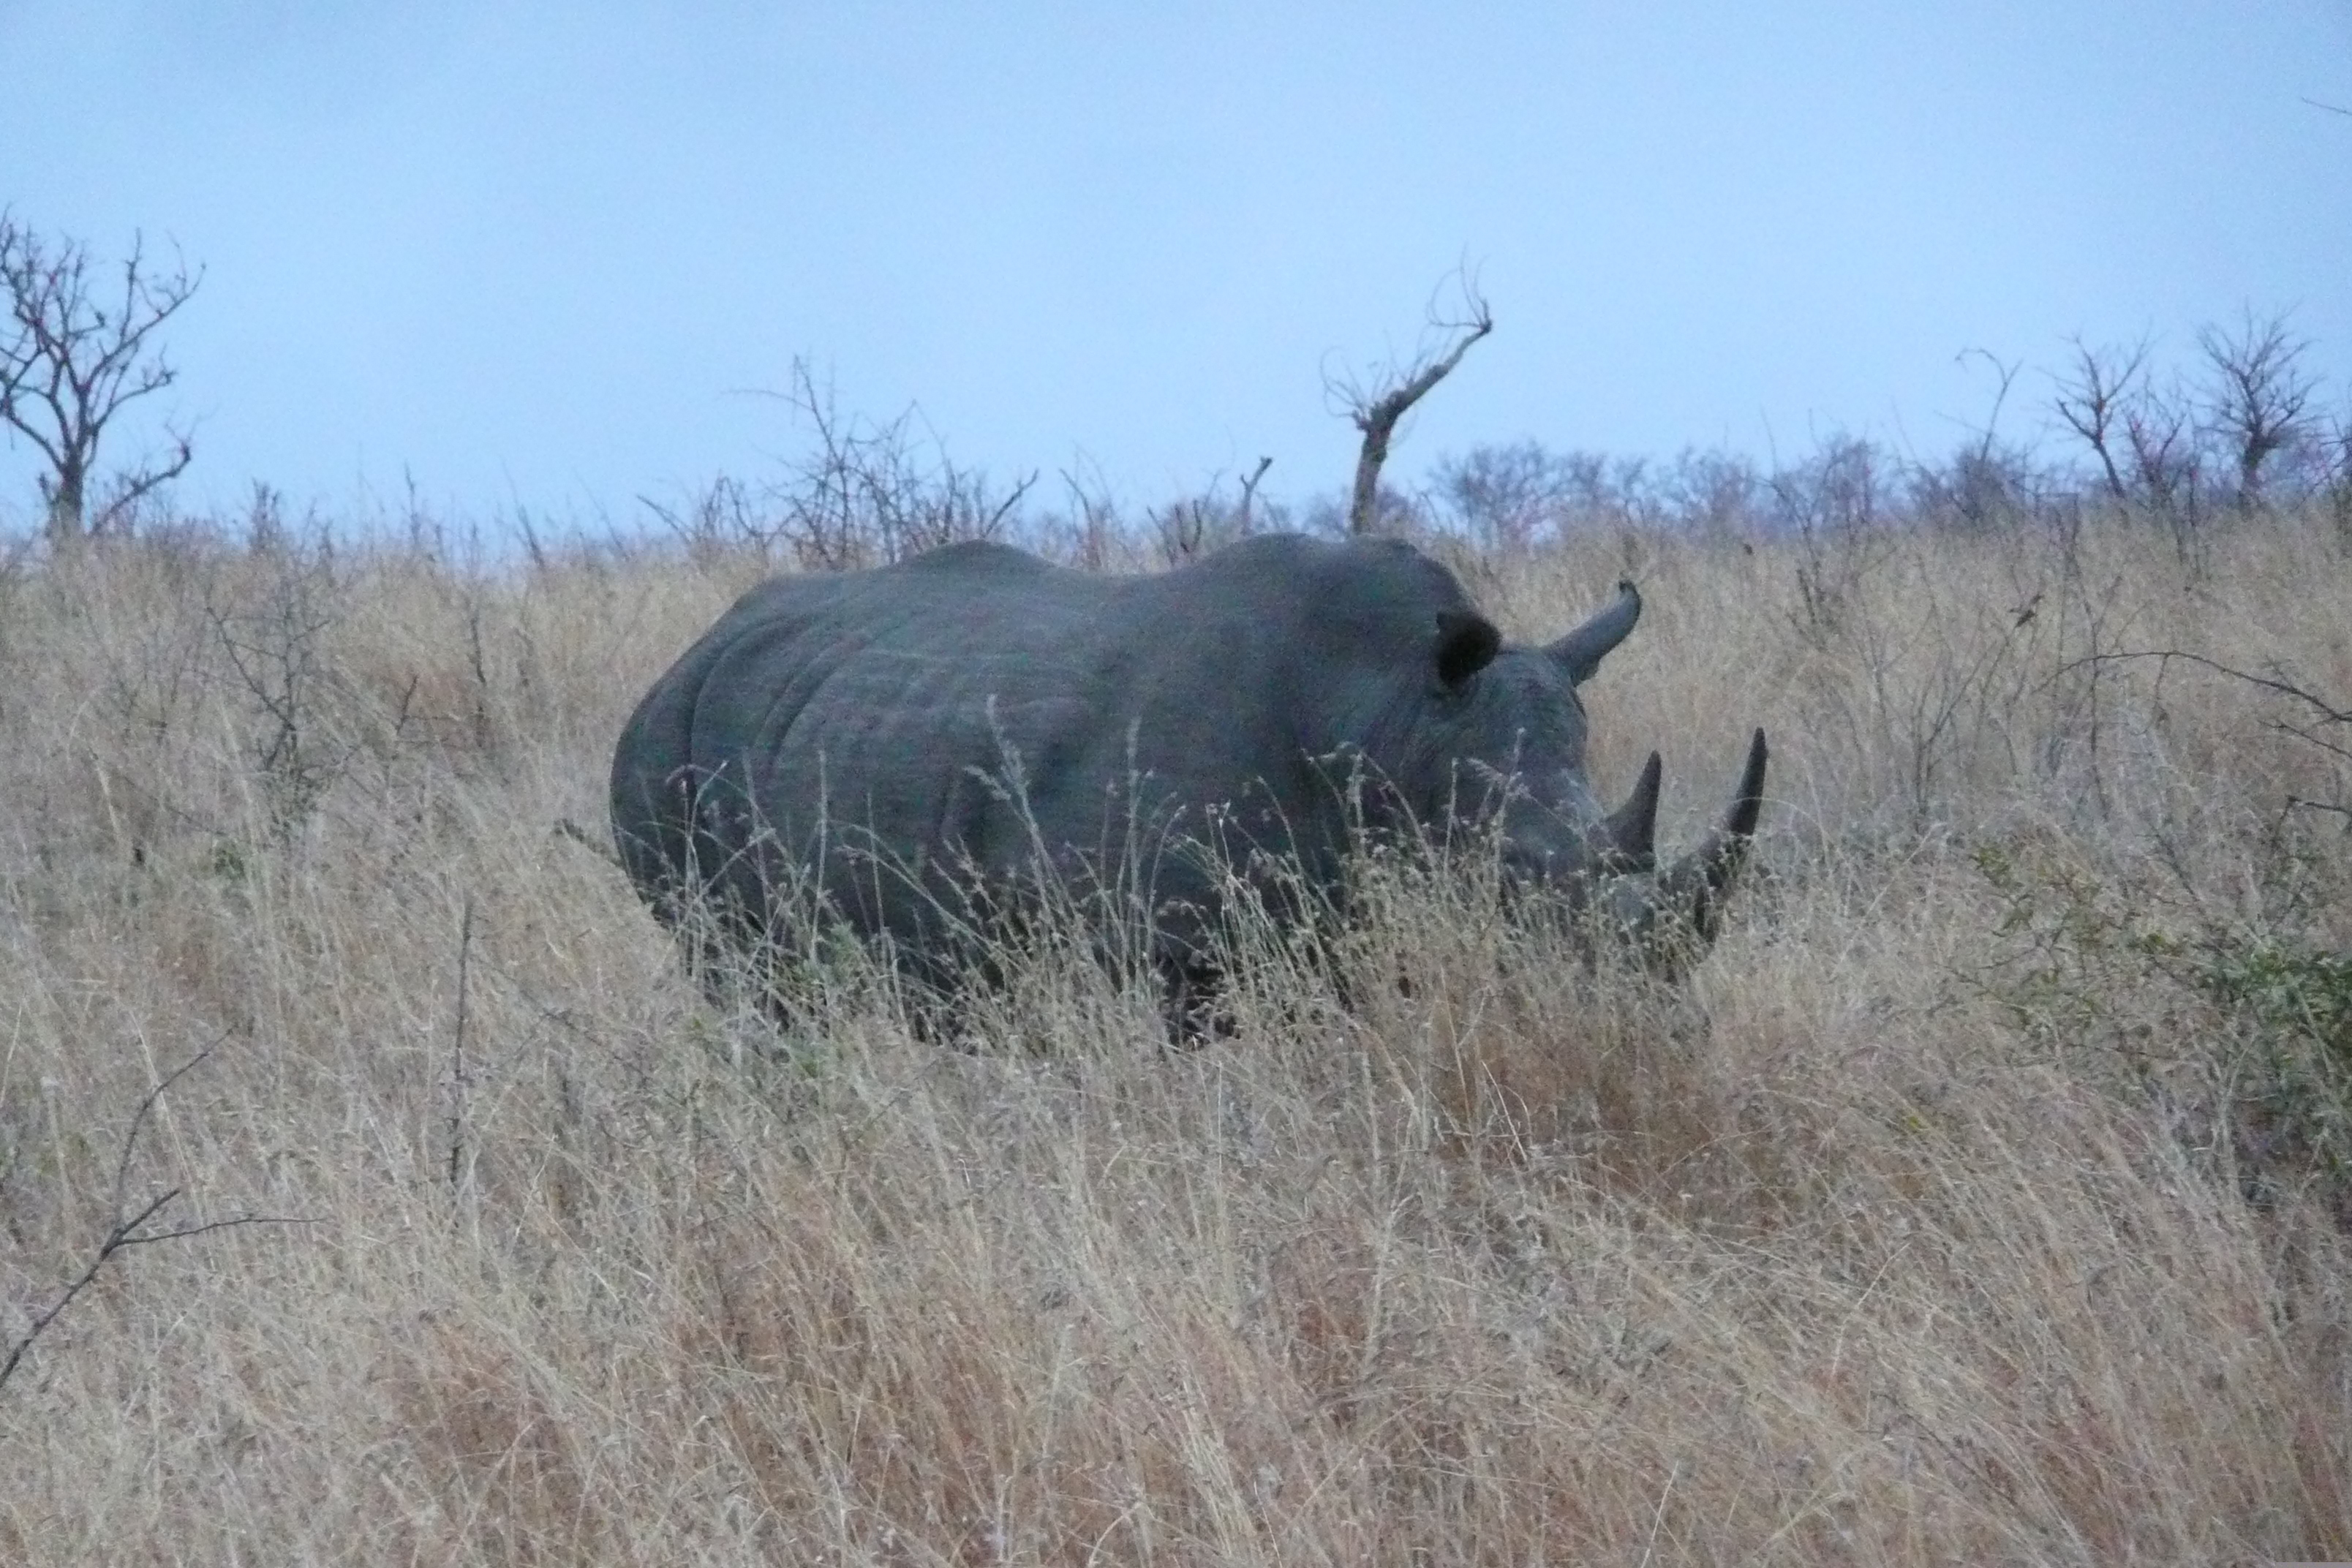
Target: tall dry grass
{"type": "Point", "coordinates": [1967, 1205]}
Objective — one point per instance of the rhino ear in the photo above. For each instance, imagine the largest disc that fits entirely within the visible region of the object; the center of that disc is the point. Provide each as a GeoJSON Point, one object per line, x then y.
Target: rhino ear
{"type": "Point", "coordinates": [1467, 644]}
{"type": "Point", "coordinates": [1581, 650]}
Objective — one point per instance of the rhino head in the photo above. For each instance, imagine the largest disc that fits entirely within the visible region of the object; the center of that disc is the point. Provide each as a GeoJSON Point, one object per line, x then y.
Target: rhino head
{"type": "Point", "coordinates": [1513, 716]}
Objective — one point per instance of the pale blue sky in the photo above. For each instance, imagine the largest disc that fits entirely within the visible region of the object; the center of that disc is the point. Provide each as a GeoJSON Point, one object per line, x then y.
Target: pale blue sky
{"type": "Point", "coordinates": [532, 254]}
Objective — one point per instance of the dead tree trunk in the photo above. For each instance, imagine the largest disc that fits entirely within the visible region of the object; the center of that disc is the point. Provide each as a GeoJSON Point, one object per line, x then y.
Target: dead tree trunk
{"type": "Point", "coordinates": [1375, 410]}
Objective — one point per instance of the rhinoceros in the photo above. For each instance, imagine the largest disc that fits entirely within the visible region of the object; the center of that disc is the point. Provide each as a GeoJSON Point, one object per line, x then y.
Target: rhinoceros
{"type": "Point", "coordinates": [876, 746]}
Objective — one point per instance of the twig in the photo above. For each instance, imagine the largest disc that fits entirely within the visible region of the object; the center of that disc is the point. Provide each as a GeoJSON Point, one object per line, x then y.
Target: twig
{"type": "Point", "coordinates": [567, 828]}
{"type": "Point", "coordinates": [139, 1124]}
{"type": "Point", "coordinates": [458, 1049]}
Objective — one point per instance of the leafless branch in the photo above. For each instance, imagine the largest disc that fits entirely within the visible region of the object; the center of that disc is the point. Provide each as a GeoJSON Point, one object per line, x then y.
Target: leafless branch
{"type": "Point", "coordinates": [130, 1230]}
{"type": "Point", "coordinates": [139, 1124]}
{"type": "Point", "coordinates": [2327, 712]}
{"type": "Point", "coordinates": [1249, 490]}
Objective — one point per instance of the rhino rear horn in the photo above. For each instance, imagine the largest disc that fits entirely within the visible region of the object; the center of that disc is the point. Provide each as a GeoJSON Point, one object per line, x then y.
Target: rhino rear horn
{"type": "Point", "coordinates": [1694, 885]}
{"type": "Point", "coordinates": [1630, 833]}
{"type": "Point", "coordinates": [1581, 650]}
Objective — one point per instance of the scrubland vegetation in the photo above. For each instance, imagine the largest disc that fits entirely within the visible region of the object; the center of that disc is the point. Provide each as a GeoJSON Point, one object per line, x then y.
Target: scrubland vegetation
{"type": "Point", "coordinates": [1983, 1197]}
{"type": "Point", "coordinates": [376, 1185]}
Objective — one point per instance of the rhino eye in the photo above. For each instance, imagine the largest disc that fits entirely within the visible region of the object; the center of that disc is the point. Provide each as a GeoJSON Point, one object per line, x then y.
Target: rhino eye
{"type": "Point", "coordinates": [1467, 644]}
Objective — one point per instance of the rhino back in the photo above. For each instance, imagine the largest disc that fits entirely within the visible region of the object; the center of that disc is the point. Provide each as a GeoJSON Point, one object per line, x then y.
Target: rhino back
{"type": "Point", "coordinates": [891, 711]}
{"type": "Point", "coordinates": [878, 716]}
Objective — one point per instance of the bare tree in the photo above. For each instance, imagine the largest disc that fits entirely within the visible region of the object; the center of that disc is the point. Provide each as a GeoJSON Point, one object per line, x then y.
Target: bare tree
{"type": "Point", "coordinates": [865, 494]}
{"type": "Point", "coordinates": [1987, 482]}
{"type": "Point", "coordinates": [1375, 409]}
{"type": "Point", "coordinates": [2095, 400]}
{"type": "Point", "coordinates": [2260, 396]}
{"type": "Point", "coordinates": [72, 354]}
{"type": "Point", "coordinates": [1503, 494]}
{"type": "Point", "coordinates": [875, 492]}
{"type": "Point", "coordinates": [1715, 491]}
{"type": "Point", "coordinates": [2165, 463]}
{"type": "Point", "coordinates": [2168, 454]}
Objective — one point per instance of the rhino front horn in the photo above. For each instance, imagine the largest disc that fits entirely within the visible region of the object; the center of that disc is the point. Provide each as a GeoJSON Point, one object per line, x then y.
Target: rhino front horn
{"type": "Point", "coordinates": [1694, 885]}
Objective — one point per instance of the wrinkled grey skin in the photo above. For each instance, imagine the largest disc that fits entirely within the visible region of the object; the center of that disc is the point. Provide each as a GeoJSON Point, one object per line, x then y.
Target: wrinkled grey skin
{"type": "Point", "coordinates": [890, 739]}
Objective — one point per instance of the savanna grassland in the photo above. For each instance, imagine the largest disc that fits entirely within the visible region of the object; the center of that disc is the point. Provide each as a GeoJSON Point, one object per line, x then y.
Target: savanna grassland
{"type": "Point", "coordinates": [1983, 1197]}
